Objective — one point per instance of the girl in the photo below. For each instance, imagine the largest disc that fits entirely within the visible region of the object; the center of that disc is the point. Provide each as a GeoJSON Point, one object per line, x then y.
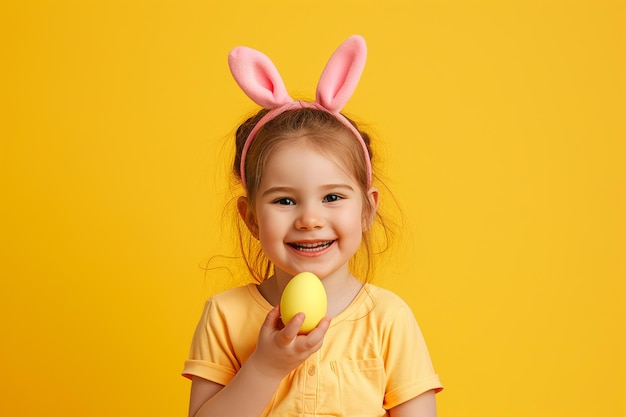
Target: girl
{"type": "Point", "coordinates": [310, 202]}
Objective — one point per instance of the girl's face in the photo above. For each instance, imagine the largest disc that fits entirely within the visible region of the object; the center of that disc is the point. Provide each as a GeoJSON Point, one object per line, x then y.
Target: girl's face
{"type": "Point", "coordinates": [308, 213]}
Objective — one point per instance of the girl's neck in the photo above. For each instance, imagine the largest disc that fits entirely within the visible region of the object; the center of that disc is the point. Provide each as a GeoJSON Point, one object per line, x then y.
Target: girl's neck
{"type": "Point", "coordinates": [341, 288]}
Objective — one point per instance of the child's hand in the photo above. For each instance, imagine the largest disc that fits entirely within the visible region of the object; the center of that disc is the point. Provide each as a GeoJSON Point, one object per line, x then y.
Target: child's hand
{"type": "Point", "coordinates": [280, 349]}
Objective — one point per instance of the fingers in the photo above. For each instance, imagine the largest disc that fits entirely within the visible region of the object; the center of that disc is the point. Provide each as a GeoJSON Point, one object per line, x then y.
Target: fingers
{"type": "Point", "coordinates": [322, 327]}
{"type": "Point", "coordinates": [312, 341]}
{"type": "Point", "coordinates": [285, 335]}
{"type": "Point", "coordinates": [315, 337]}
{"type": "Point", "coordinates": [282, 349]}
{"type": "Point", "coordinates": [291, 330]}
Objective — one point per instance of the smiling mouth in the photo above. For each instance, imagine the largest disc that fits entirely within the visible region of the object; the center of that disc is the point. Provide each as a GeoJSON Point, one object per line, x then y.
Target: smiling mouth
{"type": "Point", "coordinates": [312, 247]}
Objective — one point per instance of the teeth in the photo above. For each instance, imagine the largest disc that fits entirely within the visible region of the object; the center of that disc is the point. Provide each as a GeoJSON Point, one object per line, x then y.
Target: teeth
{"type": "Point", "coordinates": [312, 247]}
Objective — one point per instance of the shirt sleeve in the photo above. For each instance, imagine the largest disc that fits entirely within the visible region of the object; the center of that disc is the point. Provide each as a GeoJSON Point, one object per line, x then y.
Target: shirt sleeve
{"type": "Point", "coordinates": [211, 355]}
{"type": "Point", "coordinates": [408, 368]}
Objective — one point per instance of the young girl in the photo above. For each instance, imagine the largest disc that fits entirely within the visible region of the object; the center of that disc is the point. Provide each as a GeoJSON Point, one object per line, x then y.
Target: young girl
{"type": "Point", "coordinates": [310, 202]}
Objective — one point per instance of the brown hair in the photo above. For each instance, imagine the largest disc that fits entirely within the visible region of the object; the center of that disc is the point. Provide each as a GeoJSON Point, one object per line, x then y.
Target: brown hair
{"type": "Point", "coordinates": [326, 134]}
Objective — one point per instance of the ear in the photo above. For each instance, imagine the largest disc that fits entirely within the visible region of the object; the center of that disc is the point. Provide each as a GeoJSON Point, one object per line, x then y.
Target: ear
{"type": "Point", "coordinates": [258, 77]}
{"type": "Point", "coordinates": [247, 215]}
{"type": "Point", "coordinates": [341, 74]}
{"type": "Point", "coordinates": [370, 211]}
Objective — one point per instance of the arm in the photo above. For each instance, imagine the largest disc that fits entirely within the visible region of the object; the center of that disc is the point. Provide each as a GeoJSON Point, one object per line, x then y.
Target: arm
{"type": "Point", "coordinates": [246, 395]}
{"type": "Point", "coordinates": [421, 406]}
{"type": "Point", "coordinates": [278, 352]}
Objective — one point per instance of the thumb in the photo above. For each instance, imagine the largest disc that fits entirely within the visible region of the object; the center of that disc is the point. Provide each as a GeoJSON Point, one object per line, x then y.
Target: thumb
{"type": "Point", "coordinates": [271, 321]}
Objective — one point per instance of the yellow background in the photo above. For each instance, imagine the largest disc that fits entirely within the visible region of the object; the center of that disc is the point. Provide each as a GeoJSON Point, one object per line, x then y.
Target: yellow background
{"type": "Point", "coordinates": [502, 130]}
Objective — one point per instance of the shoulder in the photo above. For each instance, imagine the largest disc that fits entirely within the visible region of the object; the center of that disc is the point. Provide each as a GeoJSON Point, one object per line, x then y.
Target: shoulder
{"type": "Point", "coordinates": [239, 300]}
{"type": "Point", "coordinates": [383, 308]}
{"type": "Point", "coordinates": [235, 311]}
{"type": "Point", "coordinates": [230, 295]}
{"type": "Point", "coordinates": [383, 293]}
{"type": "Point", "coordinates": [246, 293]}
{"type": "Point", "coordinates": [385, 299]}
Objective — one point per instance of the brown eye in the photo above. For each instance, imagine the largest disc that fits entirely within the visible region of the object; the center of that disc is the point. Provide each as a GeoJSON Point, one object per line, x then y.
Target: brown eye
{"type": "Point", "coordinates": [331, 198]}
{"type": "Point", "coordinates": [285, 201]}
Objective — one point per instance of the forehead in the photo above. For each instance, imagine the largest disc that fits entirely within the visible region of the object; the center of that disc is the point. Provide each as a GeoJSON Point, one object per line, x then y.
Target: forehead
{"type": "Point", "coordinates": [302, 162]}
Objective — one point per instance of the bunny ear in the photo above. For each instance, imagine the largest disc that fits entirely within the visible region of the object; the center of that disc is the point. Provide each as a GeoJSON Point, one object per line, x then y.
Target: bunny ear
{"type": "Point", "coordinates": [341, 74]}
{"type": "Point", "coordinates": [258, 77]}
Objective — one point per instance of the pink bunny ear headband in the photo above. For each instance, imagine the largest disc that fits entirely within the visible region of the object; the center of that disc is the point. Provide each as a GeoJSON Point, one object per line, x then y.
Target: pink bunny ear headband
{"type": "Point", "coordinates": [258, 77]}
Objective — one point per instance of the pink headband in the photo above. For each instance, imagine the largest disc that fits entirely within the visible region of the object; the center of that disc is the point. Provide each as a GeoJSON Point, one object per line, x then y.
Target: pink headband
{"type": "Point", "coordinates": [258, 77]}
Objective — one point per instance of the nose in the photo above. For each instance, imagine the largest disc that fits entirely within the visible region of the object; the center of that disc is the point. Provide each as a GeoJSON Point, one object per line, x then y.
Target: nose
{"type": "Point", "coordinates": [309, 218]}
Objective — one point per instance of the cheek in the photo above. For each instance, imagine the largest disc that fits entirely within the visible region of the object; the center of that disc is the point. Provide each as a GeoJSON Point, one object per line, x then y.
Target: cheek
{"type": "Point", "coordinates": [353, 223]}
{"type": "Point", "coordinates": [270, 227]}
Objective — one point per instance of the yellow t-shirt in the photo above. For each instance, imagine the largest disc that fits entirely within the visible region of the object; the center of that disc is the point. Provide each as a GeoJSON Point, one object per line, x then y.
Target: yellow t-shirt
{"type": "Point", "coordinates": [373, 356]}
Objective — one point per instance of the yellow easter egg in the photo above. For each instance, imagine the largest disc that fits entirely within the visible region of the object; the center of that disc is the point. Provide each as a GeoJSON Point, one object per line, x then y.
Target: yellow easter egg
{"type": "Point", "coordinates": [304, 293]}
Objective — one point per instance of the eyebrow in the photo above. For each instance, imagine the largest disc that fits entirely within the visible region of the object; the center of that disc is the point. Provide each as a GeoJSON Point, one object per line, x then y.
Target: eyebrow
{"type": "Point", "coordinates": [284, 189]}
{"type": "Point", "coordinates": [276, 190]}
